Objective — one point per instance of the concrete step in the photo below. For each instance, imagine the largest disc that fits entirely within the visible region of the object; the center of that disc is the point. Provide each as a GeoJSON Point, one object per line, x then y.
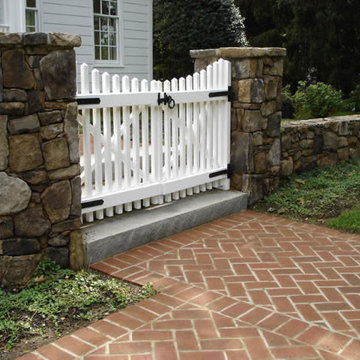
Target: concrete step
{"type": "Point", "coordinates": [121, 233]}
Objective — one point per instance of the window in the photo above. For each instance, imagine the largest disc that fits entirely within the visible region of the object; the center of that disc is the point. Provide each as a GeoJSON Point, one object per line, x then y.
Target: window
{"type": "Point", "coordinates": [106, 30]}
{"type": "Point", "coordinates": [31, 16]}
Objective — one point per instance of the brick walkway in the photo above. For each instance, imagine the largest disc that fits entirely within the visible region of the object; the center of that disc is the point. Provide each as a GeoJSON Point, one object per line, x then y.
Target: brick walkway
{"type": "Point", "coordinates": [248, 286]}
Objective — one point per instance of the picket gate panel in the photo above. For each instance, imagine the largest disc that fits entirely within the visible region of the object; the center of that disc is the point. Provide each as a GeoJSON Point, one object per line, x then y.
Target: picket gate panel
{"type": "Point", "coordinates": [137, 152]}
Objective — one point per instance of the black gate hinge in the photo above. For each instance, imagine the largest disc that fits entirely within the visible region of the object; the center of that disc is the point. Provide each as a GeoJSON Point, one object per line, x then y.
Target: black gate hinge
{"type": "Point", "coordinates": [88, 101]}
{"type": "Point", "coordinates": [91, 204]}
{"type": "Point", "coordinates": [229, 94]}
{"type": "Point", "coordinates": [227, 172]}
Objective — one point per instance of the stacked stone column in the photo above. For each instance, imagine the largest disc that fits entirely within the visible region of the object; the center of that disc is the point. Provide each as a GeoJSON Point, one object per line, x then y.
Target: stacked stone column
{"type": "Point", "coordinates": [40, 206]}
{"type": "Point", "coordinates": [256, 115]}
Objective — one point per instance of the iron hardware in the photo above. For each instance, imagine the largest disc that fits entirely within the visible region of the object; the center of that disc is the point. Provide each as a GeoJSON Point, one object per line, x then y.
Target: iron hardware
{"type": "Point", "coordinates": [227, 172]}
{"type": "Point", "coordinates": [88, 101]}
{"type": "Point", "coordinates": [166, 100]}
{"type": "Point", "coordinates": [90, 204]}
{"type": "Point", "coordinates": [228, 93]}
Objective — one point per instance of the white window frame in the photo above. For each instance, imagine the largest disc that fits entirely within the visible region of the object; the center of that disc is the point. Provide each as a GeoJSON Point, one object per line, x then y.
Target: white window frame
{"type": "Point", "coordinates": [36, 10]}
{"type": "Point", "coordinates": [119, 62]}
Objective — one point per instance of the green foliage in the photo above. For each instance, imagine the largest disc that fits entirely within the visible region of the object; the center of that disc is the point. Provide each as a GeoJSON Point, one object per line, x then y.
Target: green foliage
{"type": "Point", "coordinates": [182, 26]}
{"type": "Point", "coordinates": [317, 194]}
{"type": "Point", "coordinates": [321, 37]}
{"type": "Point", "coordinates": [354, 100]}
{"type": "Point", "coordinates": [57, 295]}
{"type": "Point", "coordinates": [348, 220]}
{"type": "Point", "coordinates": [317, 100]}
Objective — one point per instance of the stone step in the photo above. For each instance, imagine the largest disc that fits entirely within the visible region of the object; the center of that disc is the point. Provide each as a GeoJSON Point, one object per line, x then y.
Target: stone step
{"type": "Point", "coordinates": [121, 233]}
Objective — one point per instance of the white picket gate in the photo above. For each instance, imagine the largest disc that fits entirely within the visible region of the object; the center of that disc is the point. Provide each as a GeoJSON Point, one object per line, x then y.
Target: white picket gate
{"type": "Point", "coordinates": [137, 150]}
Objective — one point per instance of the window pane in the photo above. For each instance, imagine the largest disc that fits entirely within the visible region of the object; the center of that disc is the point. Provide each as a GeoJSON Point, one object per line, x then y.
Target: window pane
{"type": "Point", "coordinates": [112, 39]}
{"type": "Point", "coordinates": [113, 53]}
{"type": "Point", "coordinates": [97, 53]}
{"type": "Point", "coordinates": [104, 38]}
{"type": "Point", "coordinates": [30, 18]}
{"type": "Point", "coordinates": [97, 38]}
{"type": "Point", "coordinates": [96, 23]}
{"type": "Point", "coordinates": [113, 8]}
{"type": "Point", "coordinates": [112, 24]}
{"type": "Point", "coordinates": [97, 9]}
{"type": "Point", "coordinates": [31, 3]}
{"type": "Point", "coordinates": [105, 7]}
{"type": "Point", "coordinates": [104, 53]}
{"type": "Point", "coordinates": [104, 24]}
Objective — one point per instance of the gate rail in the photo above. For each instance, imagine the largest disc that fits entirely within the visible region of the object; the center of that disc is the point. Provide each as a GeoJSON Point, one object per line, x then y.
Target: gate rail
{"type": "Point", "coordinates": [147, 143]}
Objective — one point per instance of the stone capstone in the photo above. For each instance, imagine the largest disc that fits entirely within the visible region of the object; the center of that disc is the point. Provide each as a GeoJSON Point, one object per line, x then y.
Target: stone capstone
{"type": "Point", "coordinates": [25, 152]}
{"type": "Point", "coordinates": [56, 200]}
{"type": "Point", "coordinates": [23, 77]}
{"type": "Point", "coordinates": [15, 194]}
{"type": "Point", "coordinates": [31, 223]}
{"type": "Point", "coordinates": [56, 154]}
{"type": "Point", "coordinates": [36, 38]}
{"type": "Point", "coordinates": [17, 270]}
{"type": "Point", "coordinates": [71, 129]}
{"type": "Point", "coordinates": [24, 124]}
{"type": "Point", "coordinates": [59, 74]}
{"type": "Point", "coordinates": [64, 40]}
{"type": "Point", "coordinates": [18, 247]}
{"type": "Point", "coordinates": [6, 227]}
{"type": "Point", "coordinates": [4, 145]}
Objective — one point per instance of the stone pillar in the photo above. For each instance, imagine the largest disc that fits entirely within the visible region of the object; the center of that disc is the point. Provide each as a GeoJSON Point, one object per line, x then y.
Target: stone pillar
{"type": "Point", "coordinates": [256, 115]}
{"type": "Point", "coordinates": [40, 206]}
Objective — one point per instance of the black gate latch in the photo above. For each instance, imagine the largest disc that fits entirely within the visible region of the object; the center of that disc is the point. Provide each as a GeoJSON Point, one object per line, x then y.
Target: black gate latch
{"type": "Point", "coordinates": [166, 100]}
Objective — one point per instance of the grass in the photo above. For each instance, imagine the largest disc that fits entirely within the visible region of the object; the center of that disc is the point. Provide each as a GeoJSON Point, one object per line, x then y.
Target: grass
{"type": "Point", "coordinates": [349, 220]}
{"type": "Point", "coordinates": [56, 297]}
{"type": "Point", "coordinates": [320, 195]}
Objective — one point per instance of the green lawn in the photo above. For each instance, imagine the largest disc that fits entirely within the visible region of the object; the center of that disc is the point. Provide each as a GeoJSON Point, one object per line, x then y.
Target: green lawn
{"type": "Point", "coordinates": [328, 196]}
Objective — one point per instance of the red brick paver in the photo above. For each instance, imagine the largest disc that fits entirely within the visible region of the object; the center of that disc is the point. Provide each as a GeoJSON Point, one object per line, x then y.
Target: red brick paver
{"type": "Point", "coordinates": [248, 286]}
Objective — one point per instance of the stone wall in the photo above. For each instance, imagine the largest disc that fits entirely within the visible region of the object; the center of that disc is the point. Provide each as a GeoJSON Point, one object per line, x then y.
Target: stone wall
{"type": "Point", "coordinates": [315, 143]}
{"type": "Point", "coordinates": [256, 115]}
{"type": "Point", "coordinates": [40, 205]}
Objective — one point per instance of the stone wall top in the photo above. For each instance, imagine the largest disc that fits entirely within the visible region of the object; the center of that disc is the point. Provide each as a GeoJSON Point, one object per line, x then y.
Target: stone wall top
{"type": "Point", "coordinates": [238, 52]}
{"type": "Point", "coordinates": [50, 40]}
{"type": "Point", "coordinates": [319, 122]}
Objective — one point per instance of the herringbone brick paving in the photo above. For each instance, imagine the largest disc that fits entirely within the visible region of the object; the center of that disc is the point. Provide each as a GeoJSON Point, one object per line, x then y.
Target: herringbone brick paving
{"type": "Point", "coordinates": [248, 286]}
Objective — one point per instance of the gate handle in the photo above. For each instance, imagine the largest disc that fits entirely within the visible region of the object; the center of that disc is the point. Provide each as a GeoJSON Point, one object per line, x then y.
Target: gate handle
{"type": "Point", "coordinates": [166, 100]}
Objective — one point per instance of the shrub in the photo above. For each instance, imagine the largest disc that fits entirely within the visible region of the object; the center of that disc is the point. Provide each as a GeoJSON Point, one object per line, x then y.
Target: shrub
{"type": "Point", "coordinates": [317, 100]}
{"type": "Point", "coordinates": [354, 100]}
{"type": "Point", "coordinates": [288, 108]}
{"type": "Point", "coordinates": [180, 26]}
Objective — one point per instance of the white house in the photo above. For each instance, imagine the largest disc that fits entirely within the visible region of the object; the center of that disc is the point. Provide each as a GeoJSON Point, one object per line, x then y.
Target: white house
{"type": "Point", "coordinates": [116, 34]}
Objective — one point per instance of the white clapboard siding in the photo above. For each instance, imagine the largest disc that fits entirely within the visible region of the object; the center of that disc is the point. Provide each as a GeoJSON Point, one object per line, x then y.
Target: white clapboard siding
{"type": "Point", "coordinates": [136, 152]}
